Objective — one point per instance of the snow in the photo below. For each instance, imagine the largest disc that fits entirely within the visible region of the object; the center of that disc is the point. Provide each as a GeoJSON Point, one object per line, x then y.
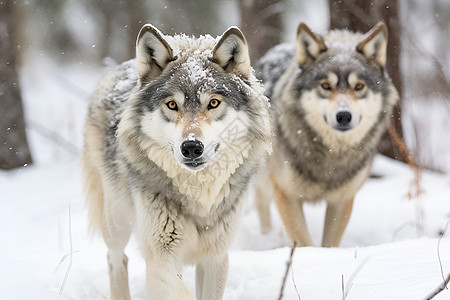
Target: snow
{"type": "Point", "coordinates": [195, 69]}
{"type": "Point", "coordinates": [191, 137]}
{"type": "Point", "coordinates": [129, 79]}
{"type": "Point", "coordinates": [34, 217]}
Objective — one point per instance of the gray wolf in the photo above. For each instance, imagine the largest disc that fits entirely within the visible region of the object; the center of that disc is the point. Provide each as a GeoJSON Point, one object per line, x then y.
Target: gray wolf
{"type": "Point", "coordinates": [172, 139]}
{"type": "Point", "coordinates": [332, 101]}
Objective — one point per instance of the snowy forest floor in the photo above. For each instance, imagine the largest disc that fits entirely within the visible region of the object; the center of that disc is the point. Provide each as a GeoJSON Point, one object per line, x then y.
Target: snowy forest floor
{"type": "Point", "coordinates": [388, 255]}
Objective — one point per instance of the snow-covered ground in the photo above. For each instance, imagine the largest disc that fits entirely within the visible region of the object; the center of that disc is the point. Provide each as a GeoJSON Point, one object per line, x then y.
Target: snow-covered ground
{"type": "Point", "coordinates": [37, 233]}
{"type": "Point", "coordinates": [389, 250]}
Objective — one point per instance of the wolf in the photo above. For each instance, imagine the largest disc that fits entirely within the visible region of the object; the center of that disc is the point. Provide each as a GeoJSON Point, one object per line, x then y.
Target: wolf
{"type": "Point", "coordinates": [332, 100]}
{"type": "Point", "coordinates": [172, 140]}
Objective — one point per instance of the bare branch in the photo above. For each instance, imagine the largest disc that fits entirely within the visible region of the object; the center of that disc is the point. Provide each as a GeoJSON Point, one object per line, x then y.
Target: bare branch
{"type": "Point", "coordinates": [54, 137]}
{"type": "Point", "coordinates": [289, 263]}
{"type": "Point", "coordinates": [445, 281]}
{"type": "Point", "coordinates": [72, 88]}
{"type": "Point", "coordinates": [422, 51]}
{"type": "Point", "coordinates": [440, 288]}
{"type": "Point", "coordinates": [438, 252]}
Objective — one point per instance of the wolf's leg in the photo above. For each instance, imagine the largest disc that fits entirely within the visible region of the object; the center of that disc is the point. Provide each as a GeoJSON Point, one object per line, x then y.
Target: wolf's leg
{"type": "Point", "coordinates": [292, 215]}
{"type": "Point", "coordinates": [118, 275]}
{"type": "Point", "coordinates": [116, 230]}
{"type": "Point", "coordinates": [159, 230]}
{"type": "Point", "coordinates": [164, 276]}
{"type": "Point", "coordinates": [336, 220]}
{"type": "Point", "coordinates": [263, 193]}
{"type": "Point", "coordinates": [211, 277]}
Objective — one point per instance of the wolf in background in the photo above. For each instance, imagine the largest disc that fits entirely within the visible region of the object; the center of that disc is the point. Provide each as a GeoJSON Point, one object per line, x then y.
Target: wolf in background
{"type": "Point", "coordinates": [172, 140]}
{"type": "Point", "coordinates": [332, 100]}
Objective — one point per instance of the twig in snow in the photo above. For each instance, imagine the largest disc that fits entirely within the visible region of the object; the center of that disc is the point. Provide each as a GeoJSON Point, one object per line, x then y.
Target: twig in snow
{"type": "Point", "coordinates": [440, 288]}
{"type": "Point", "coordinates": [346, 288]}
{"type": "Point", "coordinates": [289, 263]}
{"type": "Point", "coordinates": [61, 290]}
{"type": "Point", "coordinates": [445, 281]}
{"type": "Point", "coordinates": [438, 252]}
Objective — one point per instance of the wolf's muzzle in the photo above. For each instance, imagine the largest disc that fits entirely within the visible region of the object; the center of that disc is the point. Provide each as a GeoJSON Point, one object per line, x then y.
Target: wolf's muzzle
{"type": "Point", "coordinates": [192, 149]}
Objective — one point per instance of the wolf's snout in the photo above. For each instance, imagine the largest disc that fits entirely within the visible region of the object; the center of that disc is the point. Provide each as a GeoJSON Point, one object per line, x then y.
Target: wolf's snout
{"type": "Point", "coordinates": [343, 118]}
{"type": "Point", "coordinates": [192, 149]}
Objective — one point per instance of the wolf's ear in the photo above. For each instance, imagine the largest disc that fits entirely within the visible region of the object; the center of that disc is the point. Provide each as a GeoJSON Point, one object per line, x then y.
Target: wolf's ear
{"type": "Point", "coordinates": [374, 44]}
{"type": "Point", "coordinates": [231, 53]}
{"type": "Point", "coordinates": [309, 44]}
{"type": "Point", "coordinates": [153, 53]}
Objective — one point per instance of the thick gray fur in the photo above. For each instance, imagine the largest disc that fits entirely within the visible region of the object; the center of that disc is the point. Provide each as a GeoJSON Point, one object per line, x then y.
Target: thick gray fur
{"type": "Point", "coordinates": [322, 163]}
{"type": "Point", "coordinates": [134, 183]}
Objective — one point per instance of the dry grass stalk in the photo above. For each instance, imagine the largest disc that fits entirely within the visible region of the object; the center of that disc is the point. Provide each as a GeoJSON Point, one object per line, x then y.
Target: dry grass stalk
{"type": "Point", "coordinates": [347, 287]}
{"type": "Point", "coordinates": [295, 285]}
{"type": "Point", "coordinates": [69, 267]}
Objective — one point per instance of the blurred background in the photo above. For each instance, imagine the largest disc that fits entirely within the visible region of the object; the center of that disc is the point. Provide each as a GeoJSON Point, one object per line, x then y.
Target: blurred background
{"type": "Point", "coordinates": [53, 53]}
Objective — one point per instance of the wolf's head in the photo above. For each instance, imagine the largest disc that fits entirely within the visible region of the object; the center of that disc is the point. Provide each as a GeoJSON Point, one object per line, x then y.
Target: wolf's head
{"type": "Point", "coordinates": [197, 104]}
{"type": "Point", "coordinates": [191, 90]}
{"type": "Point", "coordinates": [342, 81]}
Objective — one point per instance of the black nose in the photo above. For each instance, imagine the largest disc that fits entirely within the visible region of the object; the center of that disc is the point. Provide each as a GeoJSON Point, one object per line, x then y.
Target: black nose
{"type": "Point", "coordinates": [344, 118]}
{"type": "Point", "coordinates": [192, 149]}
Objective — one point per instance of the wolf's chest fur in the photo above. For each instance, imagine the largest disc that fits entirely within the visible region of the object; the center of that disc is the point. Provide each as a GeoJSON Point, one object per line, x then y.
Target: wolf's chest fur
{"type": "Point", "coordinates": [318, 164]}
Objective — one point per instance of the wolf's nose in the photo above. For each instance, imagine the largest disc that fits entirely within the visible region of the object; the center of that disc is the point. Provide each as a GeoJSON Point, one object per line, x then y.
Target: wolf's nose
{"type": "Point", "coordinates": [343, 118]}
{"type": "Point", "coordinates": [192, 149]}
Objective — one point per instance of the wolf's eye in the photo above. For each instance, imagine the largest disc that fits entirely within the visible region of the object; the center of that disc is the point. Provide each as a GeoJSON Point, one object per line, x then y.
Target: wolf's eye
{"type": "Point", "coordinates": [172, 105]}
{"type": "Point", "coordinates": [326, 86]}
{"type": "Point", "coordinates": [359, 86]}
{"type": "Point", "coordinates": [214, 103]}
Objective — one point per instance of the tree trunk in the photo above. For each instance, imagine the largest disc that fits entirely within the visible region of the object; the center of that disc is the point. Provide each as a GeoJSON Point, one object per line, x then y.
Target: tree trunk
{"type": "Point", "coordinates": [261, 24]}
{"type": "Point", "coordinates": [361, 15]}
{"type": "Point", "coordinates": [136, 15]}
{"type": "Point", "coordinates": [14, 151]}
{"type": "Point", "coordinates": [106, 11]}
{"type": "Point", "coordinates": [192, 17]}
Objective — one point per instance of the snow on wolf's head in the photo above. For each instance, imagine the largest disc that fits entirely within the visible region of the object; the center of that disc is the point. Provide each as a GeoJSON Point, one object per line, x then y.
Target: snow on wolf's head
{"type": "Point", "coordinates": [197, 104]}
